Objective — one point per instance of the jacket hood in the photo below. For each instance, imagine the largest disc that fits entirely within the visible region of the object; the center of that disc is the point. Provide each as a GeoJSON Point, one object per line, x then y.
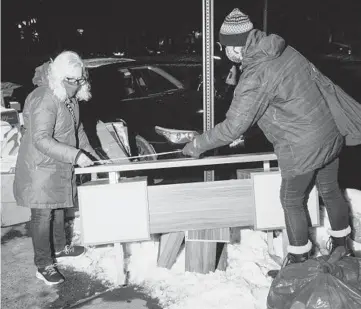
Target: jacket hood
{"type": "Point", "coordinates": [41, 75]}
{"type": "Point", "coordinates": [261, 47]}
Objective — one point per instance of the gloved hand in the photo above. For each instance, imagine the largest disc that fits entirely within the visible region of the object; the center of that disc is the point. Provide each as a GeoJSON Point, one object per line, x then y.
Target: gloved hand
{"type": "Point", "coordinates": [232, 76]}
{"type": "Point", "coordinates": [83, 160]}
{"type": "Point", "coordinates": [191, 150]}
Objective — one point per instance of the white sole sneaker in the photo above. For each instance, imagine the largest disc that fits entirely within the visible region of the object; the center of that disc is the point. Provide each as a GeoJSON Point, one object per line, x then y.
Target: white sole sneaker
{"type": "Point", "coordinates": [41, 277]}
{"type": "Point", "coordinates": [64, 258]}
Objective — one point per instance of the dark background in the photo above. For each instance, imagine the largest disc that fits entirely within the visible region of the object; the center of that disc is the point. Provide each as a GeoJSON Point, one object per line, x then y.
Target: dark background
{"type": "Point", "coordinates": [32, 31]}
{"type": "Point", "coordinates": [116, 25]}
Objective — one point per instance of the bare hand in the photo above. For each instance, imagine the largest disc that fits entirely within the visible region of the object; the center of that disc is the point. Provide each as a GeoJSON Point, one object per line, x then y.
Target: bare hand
{"type": "Point", "coordinates": [84, 160]}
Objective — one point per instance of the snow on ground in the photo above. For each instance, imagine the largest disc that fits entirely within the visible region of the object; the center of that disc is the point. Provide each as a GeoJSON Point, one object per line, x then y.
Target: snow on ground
{"type": "Point", "coordinates": [244, 283]}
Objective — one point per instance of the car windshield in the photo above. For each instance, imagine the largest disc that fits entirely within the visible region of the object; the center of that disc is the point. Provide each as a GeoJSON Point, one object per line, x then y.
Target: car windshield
{"type": "Point", "coordinates": [131, 83]}
{"type": "Point", "coordinates": [152, 82]}
{"type": "Point", "coordinates": [113, 83]}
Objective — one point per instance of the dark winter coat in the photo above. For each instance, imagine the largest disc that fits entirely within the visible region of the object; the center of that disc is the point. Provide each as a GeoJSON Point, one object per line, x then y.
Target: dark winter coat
{"type": "Point", "coordinates": [277, 89]}
{"type": "Point", "coordinates": [44, 173]}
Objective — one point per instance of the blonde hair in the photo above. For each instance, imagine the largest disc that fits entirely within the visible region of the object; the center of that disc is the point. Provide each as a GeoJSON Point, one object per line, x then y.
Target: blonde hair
{"type": "Point", "coordinates": [59, 68]}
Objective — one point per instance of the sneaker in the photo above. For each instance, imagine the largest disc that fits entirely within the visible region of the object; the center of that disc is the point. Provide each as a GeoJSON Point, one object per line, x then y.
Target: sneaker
{"type": "Point", "coordinates": [70, 251]}
{"type": "Point", "coordinates": [50, 275]}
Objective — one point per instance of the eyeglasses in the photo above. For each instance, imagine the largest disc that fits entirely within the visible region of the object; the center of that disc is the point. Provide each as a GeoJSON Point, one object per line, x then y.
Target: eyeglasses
{"type": "Point", "coordinates": [76, 81]}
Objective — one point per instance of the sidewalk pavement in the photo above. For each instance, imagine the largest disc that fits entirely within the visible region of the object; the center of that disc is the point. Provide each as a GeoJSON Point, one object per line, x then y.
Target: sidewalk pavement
{"type": "Point", "coordinates": [20, 288]}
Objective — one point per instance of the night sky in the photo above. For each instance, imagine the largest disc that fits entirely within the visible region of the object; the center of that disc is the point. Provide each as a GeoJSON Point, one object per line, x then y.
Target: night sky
{"type": "Point", "coordinates": [107, 22]}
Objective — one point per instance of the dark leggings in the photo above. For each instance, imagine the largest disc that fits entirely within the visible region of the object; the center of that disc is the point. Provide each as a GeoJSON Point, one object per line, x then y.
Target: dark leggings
{"type": "Point", "coordinates": [48, 234]}
{"type": "Point", "coordinates": [294, 196]}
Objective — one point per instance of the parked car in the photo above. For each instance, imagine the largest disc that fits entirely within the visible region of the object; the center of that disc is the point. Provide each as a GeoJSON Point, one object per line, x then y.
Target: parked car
{"type": "Point", "coordinates": [159, 102]}
{"type": "Point", "coordinates": [161, 113]}
{"type": "Point", "coordinates": [339, 50]}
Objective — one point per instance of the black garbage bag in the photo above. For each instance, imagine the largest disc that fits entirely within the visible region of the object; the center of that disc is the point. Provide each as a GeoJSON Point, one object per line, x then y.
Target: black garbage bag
{"type": "Point", "coordinates": [327, 282]}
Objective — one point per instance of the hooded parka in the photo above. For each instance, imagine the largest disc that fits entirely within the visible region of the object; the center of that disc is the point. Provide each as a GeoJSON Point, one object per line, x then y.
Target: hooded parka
{"type": "Point", "coordinates": [44, 173]}
{"type": "Point", "coordinates": [278, 90]}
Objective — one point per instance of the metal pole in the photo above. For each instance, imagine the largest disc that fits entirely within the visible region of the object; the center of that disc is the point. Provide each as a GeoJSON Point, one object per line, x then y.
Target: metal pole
{"type": "Point", "coordinates": [265, 16]}
{"type": "Point", "coordinates": [208, 71]}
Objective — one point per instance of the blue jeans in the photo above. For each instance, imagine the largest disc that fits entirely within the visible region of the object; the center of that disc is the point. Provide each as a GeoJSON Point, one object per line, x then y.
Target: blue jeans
{"type": "Point", "coordinates": [48, 234]}
{"type": "Point", "coordinates": [294, 195]}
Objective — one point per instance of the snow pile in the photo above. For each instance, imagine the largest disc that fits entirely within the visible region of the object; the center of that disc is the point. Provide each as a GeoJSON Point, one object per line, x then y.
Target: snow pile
{"type": "Point", "coordinates": [244, 281]}
{"type": "Point", "coordinates": [9, 140]}
{"type": "Point", "coordinates": [244, 284]}
{"type": "Point", "coordinates": [98, 262]}
{"type": "Point", "coordinates": [354, 198]}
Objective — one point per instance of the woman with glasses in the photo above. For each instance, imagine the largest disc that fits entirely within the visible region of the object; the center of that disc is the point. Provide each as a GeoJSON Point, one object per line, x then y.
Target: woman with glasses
{"type": "Point", "coordinates": [54, 142]}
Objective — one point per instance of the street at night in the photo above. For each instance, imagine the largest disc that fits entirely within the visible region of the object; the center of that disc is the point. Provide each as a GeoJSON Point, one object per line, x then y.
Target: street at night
{"type": "Point", "coordinates": [188, 154]}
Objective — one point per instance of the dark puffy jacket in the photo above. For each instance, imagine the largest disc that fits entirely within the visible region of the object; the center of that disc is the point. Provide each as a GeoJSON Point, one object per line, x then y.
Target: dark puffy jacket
{"type": "Point", "coordinates": [277, 89]}
{"type": "Point", "coordinates": [44, 174]}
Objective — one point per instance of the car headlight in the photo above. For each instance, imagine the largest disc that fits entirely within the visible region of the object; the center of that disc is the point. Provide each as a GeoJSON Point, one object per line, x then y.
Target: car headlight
{"type": "Point", "coordinates": [176, 136]}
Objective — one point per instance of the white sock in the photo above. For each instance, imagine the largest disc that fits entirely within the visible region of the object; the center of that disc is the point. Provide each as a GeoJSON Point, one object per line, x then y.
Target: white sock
{"type": "Point", "coordinates": [340, 233]}
{"type": "Point", "coordinates": [300, 249]}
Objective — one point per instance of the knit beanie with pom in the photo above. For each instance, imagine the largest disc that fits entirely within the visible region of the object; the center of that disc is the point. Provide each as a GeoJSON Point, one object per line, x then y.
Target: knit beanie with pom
{"type": "Point", "coordinates": [235, 29]}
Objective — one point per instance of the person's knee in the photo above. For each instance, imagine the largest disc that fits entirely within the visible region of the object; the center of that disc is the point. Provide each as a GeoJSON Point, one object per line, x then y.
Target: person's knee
{"type": "Point", "coordinates": [291, 199]}
{"type": "Point", "coordinates": [329, 191]}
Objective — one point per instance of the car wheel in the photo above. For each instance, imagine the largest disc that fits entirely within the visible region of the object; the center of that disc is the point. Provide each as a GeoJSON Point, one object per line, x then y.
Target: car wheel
{"type": "Point", "coordinates": [147, 150]}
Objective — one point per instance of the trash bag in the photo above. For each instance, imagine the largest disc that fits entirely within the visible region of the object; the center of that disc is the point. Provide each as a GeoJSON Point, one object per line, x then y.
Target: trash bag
{"type": "Point", "coordinates": [326, 282]}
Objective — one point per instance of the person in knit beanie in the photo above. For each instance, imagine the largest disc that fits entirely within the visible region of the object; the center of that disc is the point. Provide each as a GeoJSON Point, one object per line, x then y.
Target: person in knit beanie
{"type": "Point", "coordinates": [235, 29]}
{"type": "Point", "coordinates": [234, 33]}
{"type": "Point", "coordinates": [287, 97]}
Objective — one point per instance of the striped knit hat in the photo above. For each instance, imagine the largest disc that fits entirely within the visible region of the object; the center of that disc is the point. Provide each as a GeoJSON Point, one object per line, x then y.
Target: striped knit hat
{"type": "Point", "coordinates": [235, 29]}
